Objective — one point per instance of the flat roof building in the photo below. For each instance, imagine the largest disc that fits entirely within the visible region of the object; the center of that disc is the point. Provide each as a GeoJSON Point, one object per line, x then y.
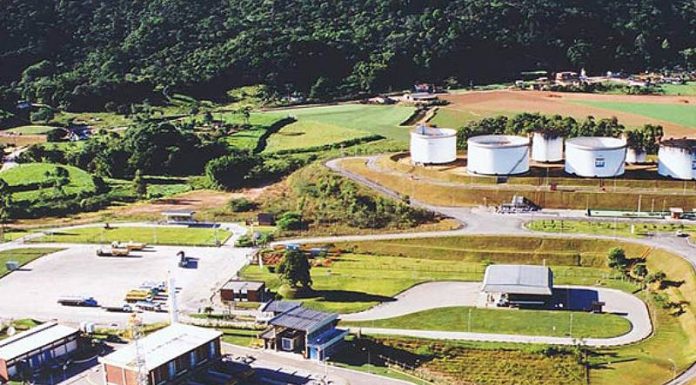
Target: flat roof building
{"type": "Point", "coordinates": [308, 332]}
{"type": "Point", "coordinates": [168, 355]}
{"type": "Point", "coordinates": [179, 216]}
{"type": "Point", "coordinates": [33, 348]}
{"type": "Point", "coordinates": [243, 291]}
{"type": "Point", "coordinates": [518, 285]}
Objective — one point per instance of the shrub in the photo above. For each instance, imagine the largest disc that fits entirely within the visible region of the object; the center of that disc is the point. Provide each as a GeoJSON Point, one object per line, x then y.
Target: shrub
{"type": "Point", "coordinates": [239, 205]}
{"type": "Point", "coordinates": [290, 221]}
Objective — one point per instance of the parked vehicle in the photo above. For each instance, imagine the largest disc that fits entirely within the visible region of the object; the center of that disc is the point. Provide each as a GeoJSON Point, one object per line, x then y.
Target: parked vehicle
{"type": "Point", "coordinates": [123, 308]}
{"type": "Point", "coordinates": [78, 301]}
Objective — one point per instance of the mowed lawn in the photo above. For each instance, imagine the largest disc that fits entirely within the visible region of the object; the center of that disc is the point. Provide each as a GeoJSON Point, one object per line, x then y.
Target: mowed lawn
{"type": "Point", "coordinates": [151, 235]}
{"type": "Point", "coordinates": [23, 256]}
{"type": "Point", "coordinates": [379, 120]}
{"type": "Point", "coordinates": [356, 282]}
{"type": "Point", "coordinates": [33, 174]}
{"type": "Point", "coordinates": [607, 227]}
{"type": "Point", "coordinates": [688, 89]}
{"type": "Point", "coordinates": [508, 321]}
{"type": "Point", "coordinates": [308, 133]}
{"type": "Point", "coordinates": [31, 130]}
{"type": "Point", "coordinates": [682, 114]}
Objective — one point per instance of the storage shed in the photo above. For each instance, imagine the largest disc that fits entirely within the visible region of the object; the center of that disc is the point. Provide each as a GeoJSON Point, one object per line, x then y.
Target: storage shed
{"type": "Point", "coordinates": [676, 159]}
{"type": "Point", "coordinates": [33, 348]}
{"type": "Point", "coordinates": [600, 157]}
{"type": "Point", "coordinates": [430, 145]}
{"type": "Point", "coordinates": [517, 285]}
{"type": "Point", "coordinates": [497, 155]}
{"type": "Point", "coordinates": [243, 291]}
{"type": "Point", "coordinates": [169, 355]}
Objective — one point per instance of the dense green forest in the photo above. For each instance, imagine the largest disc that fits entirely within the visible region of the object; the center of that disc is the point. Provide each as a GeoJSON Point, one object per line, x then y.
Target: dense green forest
{"type": "Point", "coordinates": [83, 54]}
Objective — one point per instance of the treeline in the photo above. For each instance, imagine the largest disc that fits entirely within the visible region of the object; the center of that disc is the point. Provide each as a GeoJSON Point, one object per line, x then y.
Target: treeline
{"type": "Point", "coordinates": [645, 138]}
{"type": "Point", "coordinates": [87, 54]}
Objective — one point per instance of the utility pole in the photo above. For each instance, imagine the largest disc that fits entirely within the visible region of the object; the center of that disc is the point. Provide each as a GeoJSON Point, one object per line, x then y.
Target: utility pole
{"type": "Point", "coordinates": [136, 333]}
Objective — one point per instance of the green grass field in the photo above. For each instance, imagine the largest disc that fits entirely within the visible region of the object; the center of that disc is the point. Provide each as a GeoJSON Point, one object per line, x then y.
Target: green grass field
{"type": "Point", "coordinates": [379, 120]}
{"type": "Point", "coordinates": [34, 173]}
{"type": "Point", "coordinates": [308, 133]}
{"type": "Point", "coordinates": [607, 228]}
{"type": "Point", "coordinates": [31, 130]}
{"type": "Point", "coordinates": [23, 256]}
{"type": "Point", "coordinates": [97, 120]}
{"type": "Point", "coordinates": [687, 89]}
{"type": "Point", "coordinates": [682, 114]}
{"type": "Point", "coordinates": [151, 235]}
{"type": "Point", "coordinates": [507, 321]}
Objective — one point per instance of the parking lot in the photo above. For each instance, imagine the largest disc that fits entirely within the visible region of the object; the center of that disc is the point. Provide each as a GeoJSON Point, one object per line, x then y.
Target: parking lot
{"type": "Point", "coordinates": [34, 290]}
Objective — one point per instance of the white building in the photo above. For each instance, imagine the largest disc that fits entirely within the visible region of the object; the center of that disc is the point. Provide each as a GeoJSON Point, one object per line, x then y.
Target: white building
{"type": "Point", "coordinates": [497, 155]}
{"type": "Point", "coordinates": [547, 147]}
{"type": "Point", "coordinates": [601, 157]}
{"type": "Point", "coordinates": [430, 145]}
{"type": "Point", "coordinates": [676, 159]}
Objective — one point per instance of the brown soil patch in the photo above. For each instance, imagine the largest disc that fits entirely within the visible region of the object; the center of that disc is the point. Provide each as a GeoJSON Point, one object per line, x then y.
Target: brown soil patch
{"type": "Point", "coordinates": [487, 103]}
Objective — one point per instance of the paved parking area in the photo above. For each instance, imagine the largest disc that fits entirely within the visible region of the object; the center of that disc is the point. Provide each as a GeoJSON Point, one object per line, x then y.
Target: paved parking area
{"type": "Point", "coordinates": [34, 290]}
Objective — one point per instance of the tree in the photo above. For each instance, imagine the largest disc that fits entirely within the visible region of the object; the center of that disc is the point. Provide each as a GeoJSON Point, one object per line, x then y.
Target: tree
{"type": "Point", "coordinates": [294, 269]}
{"type": "Point", "coordinates": [617, 259]}
{"type": "Point", "coordinates": [640, 271]}
{"type": "Point", "coordinates": [43, 114]}
{"type": "Point", "coordinates": [5, 206]}
{"type": "Point", "coordinates": [290, 221]}
{"type": "Point", "coordinates": [139, 184]}
{"type": "Point", "coordinates": [231, 171]}
{"type": "Point", "coordinates": [657, 277]}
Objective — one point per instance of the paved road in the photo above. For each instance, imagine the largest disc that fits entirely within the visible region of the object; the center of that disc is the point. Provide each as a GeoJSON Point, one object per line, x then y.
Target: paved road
{"type": "Point", "coordinates": [284, 367]}
{"type": "Point", "coordinates": [420, 297]}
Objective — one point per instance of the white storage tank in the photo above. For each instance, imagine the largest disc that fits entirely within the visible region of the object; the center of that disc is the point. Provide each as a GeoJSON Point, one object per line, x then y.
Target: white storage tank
{"type": "Point", "coordinates": [676, 158]}
{"type": "Point", "coordinates": [547, 147]}
{"type": "Point", "coordinates": [430, 145]}
{"type": "Point", "coordinates": [636, 155]}
{"type": "Point", "coordinates": [601, 157]}
{"type": "Point", "coordinates": [497, 155]}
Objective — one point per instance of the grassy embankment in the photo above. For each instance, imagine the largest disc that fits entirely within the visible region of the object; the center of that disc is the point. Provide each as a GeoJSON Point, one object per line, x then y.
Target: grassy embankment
{"type": "Point", "coordinates": [29, 180]}
{"type": "Point", "coordinates": [150, 235]}
{"type": "Point", "coordinates": [23, 256]}
{"type": "Point", "coordinates": [31, 130]}
{"type": "Point", "coordinates": [622, 228]}
{"type": "Point", "coordinates": [467, 195]}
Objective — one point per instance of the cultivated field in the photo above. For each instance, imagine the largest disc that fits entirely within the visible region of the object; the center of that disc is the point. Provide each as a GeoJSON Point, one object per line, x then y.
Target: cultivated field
{"type": "Point", "coordinates": [632, 111]}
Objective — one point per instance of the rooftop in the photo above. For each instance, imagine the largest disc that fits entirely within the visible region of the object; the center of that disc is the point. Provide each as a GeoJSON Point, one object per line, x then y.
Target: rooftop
{"type": "Point", "coordinates": [518, 279]}
{"type": "Point", "coordinates": [178, 213]}
{"type": "Point", "coordinates": [304, 319]}
{"type": "Point", "coordinates": [596, 142]}
{"type": "Point", "coordinates": [279, 306]}
{"type": "Point", "coordinates": [684, 143]}
{"type": "Point", "coordinates": [433, 131]}
{"type": "Point", "coordinates": [499, 141]}
{"type": "Point", "coordinates": [243, 285]}
{"type": "Point", "coordinates": [162, 346]}
{"type": "Point", "coordinates": [32, 339]}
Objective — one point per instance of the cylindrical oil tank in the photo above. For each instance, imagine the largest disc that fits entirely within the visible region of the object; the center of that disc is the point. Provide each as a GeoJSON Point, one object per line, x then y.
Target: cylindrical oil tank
{"type": "Point", "coordinates": [497, 155]}
{"type": "Point", "coordinates": [600, 157]}
{"type": "Point", "coordinates": [636, 155]}
{"type": "Point", "coordinates": [547, 147]}
{"type": "Point", "coordinates": [676, 159]}
{"type": "Point", "coordinates": [430, 145]}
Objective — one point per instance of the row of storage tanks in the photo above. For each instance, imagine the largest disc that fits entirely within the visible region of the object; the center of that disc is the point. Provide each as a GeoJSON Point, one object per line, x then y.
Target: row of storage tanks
{"type": "Point", "coordinates": [601, 157]}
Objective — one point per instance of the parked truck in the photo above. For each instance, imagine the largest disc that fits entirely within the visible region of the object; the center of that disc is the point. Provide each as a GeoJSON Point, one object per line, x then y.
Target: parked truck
{"type": "Point", "coordinates": [78, 301]}
{"type": "Point", "coordinates": [113, 252]}
{"type": "Point", "coordinates": [123, 308]}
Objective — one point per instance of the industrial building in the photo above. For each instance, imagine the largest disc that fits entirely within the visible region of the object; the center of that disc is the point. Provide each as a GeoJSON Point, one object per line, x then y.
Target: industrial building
{"type": "Point", "coordinates": [35, 348]}
{"type": "Point", "coordinates": [243, 291]}
{"type": "Point", "coordinates": [636, 155]}
{"type": "Point", "coordinates": [547, 147]}
{"type": "Point", "coordinates": [676, 159]}
{"type": "Point", "coordinates": [308, 332]}
{"type": "Point", "coordinates": [498, 155]}
{"type": "Point", "coordinates": [600, 157]}
{"type": "Point", "coordinates": [430, 145]}
{"type": "Point", "coordinates": [518, 285]}
{"type": "Point", "coordinates": [164, 356]}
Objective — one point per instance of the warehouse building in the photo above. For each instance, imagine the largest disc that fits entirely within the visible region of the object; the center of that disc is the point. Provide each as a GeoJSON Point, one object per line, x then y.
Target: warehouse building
{"type": "Point", "coordinates": [33, 349]}
{"type": "Point", "coordinates": [308, 332]}
{"type": "Point", "coordinates": [517, 285]}
{"type": "Point", "coordinates": [167, 356]}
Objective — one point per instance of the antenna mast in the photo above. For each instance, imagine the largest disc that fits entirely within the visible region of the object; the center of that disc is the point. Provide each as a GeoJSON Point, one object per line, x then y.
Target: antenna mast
{"type": "Point", "coordinates": [136, 329]}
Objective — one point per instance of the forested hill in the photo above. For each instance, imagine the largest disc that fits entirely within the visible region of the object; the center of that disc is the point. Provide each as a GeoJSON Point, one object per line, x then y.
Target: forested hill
{"type": "Point", "coordinates": [83, 53]}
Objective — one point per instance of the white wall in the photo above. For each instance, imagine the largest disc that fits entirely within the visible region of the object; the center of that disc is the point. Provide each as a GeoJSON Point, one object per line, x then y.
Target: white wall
{"type": "Point", "coordinates": [497, 160]}
{"type": "Point", "coordinates": [546, 149]}
{"type": "Point", "coordinates": [433, 149]}
{"type": "Point", "coordinates": [594, 162]}
{"type": "Point", "coordinates": [635, 156]}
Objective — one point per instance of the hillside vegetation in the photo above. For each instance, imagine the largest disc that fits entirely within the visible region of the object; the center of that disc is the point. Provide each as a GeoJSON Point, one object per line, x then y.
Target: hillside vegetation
{"type": "Point", "coordinates": [84, 54]}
